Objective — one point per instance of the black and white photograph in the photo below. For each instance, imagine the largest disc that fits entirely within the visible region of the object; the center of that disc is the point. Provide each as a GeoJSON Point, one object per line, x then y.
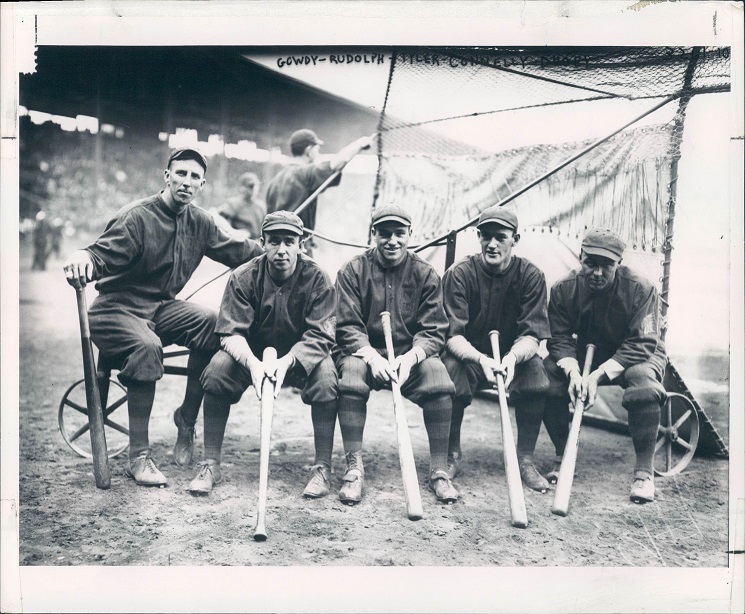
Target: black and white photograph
{"type": "Point", "coordinates": [369, 320]}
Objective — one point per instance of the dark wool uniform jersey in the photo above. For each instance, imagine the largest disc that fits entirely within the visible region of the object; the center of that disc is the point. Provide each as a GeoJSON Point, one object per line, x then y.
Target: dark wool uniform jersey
{"type": "Point", "coordinates": [412, 293]}
{"type": "Point", "coordinates": [244, 216]}
{"type": "Point", "coordinates": [289, 188]}
{"type": "Point", "coordinates": [478, 301]}
{"type": "Point", "coordinates": [150, 252]}
{"type": "Point", "coordinates": [296, 316]}
{"type": "Point", "coordinates": [622, 320]}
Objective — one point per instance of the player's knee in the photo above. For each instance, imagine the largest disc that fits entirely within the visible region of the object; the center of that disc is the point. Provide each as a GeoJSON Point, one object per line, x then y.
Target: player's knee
{"type": "Point", "coordinates": [642, 386]}
{"type": "Point", "coordinates": [435, 378]}
{"type": "Point", "coordinates": [322, 385]}
{"type": "Point", "coordinates": [352, 377]}
{"type": "Point", "coordinates": [220, 378]}
{"type": "Point", "coordinates": [531, 378]}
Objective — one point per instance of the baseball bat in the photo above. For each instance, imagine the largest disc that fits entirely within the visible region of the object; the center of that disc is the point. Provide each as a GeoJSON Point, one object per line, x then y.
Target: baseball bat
{"type": "Point", "coordinates": [101, 470]}
{"type": "Point", "coordinates": [569, 460]}
{"type": "Point", "coordinates": [405, 452]}
{"type": "Point", "coordinates": [267, 407]}
{"type": "Point", "coordinates": [511, 467]}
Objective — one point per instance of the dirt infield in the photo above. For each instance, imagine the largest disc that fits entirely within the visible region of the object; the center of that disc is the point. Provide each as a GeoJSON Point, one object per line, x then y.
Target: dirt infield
{"type": "Point", "coordinates": [65, 520]}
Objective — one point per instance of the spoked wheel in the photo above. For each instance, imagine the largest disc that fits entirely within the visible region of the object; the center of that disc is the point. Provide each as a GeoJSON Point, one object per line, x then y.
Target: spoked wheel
{"type": "Point", "coordinates": [677, 437]}
{"type": "Point", "coordinates": [73, 420]}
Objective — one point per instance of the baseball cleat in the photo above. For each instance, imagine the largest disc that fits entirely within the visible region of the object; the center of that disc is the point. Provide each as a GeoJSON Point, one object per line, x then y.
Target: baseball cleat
{"type": "Point", "coordinates": [642, 490]}
{"type": "Point", "coordinates": [183, 450]}
{"type": "Point", "coordinates": [319, 483]}
{"type": "Point", "coordinates": [454, 462]}
{"type": "Point", "coordinates": [354, 478]}
{"type": "Point", "coordinates": [440, 484]}
{"type": "Point", "coordinates": [208, 475]}
{"type": "Point", "coordinates": [531, 478]}
{"type": "Point", "coordinates": [144, 472]}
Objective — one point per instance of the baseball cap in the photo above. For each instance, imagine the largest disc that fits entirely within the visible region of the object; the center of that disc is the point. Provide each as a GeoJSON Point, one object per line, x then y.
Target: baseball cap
{"type": "Point", "coordinates": [391, 213]}
{"type": "Point", "coordinates": [603, 242]}
{"type": "Point", "coordinates": [249, 179]}
{"type": "Point", "coordinates": [187, 153]}
{"type": "Point", "coordinates": [498, 215]}
{"type": "Point", "coordinates": [282, 220]}
{"type": "Point", "coordinates": [304, 137]}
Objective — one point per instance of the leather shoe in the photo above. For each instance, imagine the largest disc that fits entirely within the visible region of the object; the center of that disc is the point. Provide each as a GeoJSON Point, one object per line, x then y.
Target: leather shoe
{"type": "Point", "coordinates": [354, 479]}
{"type": "Point", "coordinates": [531, 478]}
{"type": "Point", "coordinates": [208, 475]}
{"type": "Point", "coordinates": [454, 461]}
{"type": "Point", "coordinates": [642, 490]}
{"type": "Point", "coordinates": [183, 450]}
{"type": "Point", "coordinates": [319, 483]}
{"type": "Point", "coordinates": [440, 484]}
{"type": "Point", "coordinates": [144, 472]}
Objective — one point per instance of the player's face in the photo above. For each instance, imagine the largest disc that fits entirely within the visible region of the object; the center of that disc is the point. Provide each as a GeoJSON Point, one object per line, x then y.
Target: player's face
{"type": "Point", "coordinates": [599, 272]}
{"type": "Point", "coordinates": [282, 249]}
{"type": "Point", "coordinates": [313, 152]}
{"type": "Point", "coordinates": [184, 180]}
{"type": "Point", "coordinates": [496, 245]}
{"type": "Point", "coordinates": [392, 240]}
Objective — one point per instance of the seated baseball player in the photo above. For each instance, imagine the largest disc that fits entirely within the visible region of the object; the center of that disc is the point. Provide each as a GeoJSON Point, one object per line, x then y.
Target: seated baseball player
{"type": "Point", "coordinates": [143, 259]}
{"type": "Point", "coordinates": [494, 290]}
{"type": "Point", "coordinates": [607, 304]}
{"type": "Point", "coordinates": [387, 277]}
{"type": "Point", "coordinates": [282, 299]}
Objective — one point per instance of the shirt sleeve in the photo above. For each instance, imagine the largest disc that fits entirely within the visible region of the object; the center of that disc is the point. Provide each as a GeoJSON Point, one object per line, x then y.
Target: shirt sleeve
{"type": "Point", "coordinates": [561, 344]}
{"type": "Point", "coordinates": [237, 312]}
{"type": "Point", "coordinates": [228, 250]}
{"type": "Point", "coordinates": [456, 301]}
{"type": "Point", "coordinates": [533, 319]}
{"type": "Point", "coordinates": [351, 331]}
{"type": "Point", "coordinates": [118, 247]}
{"type": "Point", "coordinates": [320, 326]}
{"type": "Point", "coordinates": [431, 317]}
{"type": "Point", "coordinates": [642, 339]}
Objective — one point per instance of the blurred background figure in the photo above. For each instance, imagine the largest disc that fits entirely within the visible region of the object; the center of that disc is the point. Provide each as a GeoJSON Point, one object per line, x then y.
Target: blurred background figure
{"type": "Point", "coordinates": [41, 242]}
{"type": "Point", "coordinates": [245, 211]}
{"type": "Point", "coordinates": [55, 236]}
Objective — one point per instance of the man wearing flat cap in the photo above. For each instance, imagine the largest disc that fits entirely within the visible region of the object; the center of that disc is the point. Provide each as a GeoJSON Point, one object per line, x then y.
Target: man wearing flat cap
{"type": "Point", "coordinates": [282, 299]}
{"type": "Point", "coordinates": [495, 290]}
{"type": "Point", "coordinates": [292, 186]}
{"type": "Point", "coordinates": [142, 260]}
{"type": "Point", "coordinates": [388, 277]}
{"type": "Point", "coordinates": [611, 306]}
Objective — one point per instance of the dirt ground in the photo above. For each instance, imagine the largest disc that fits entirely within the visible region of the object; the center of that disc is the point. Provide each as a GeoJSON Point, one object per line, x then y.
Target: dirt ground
{"type": "Point", "coordinates": [66, 520]}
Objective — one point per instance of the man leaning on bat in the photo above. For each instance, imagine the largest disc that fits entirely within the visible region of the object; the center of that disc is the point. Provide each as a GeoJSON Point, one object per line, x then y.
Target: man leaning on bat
{"type": "Point", "coordinates": [388, 277]}
{"type": "Point", "coordinates": [611, 306]}
{"type": "Point", "coordinates": [495, 290]}
{"type": "Point", "coordinates": [282, 299]}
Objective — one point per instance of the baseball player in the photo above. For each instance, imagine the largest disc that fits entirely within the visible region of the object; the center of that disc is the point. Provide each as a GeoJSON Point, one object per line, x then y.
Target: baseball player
{"type": "Point", "coordinates": [145, 256]}
{"type": "Point", "coordinates": [284, 300]}
{"type": "Point", "coordinates": [292, 186]}
{"type": "Point", "coordinates": [245, 211]}
{"type": "Point", "coordinates": [607, 304]}
{"type": "Point", "coordinates": [387, 277]}
{"type": "Point", "coordinates": [494, 290]}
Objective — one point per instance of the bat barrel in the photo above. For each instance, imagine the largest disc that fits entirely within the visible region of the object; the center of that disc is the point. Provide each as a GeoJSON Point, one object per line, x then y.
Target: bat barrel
{"type": "Point", "coordinates": [267, 408]}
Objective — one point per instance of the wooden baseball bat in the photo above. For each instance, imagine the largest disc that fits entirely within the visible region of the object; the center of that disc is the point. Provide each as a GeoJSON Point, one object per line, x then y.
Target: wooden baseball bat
{"type": "Point", "coordinates": [569, 460]}
{"type": "Point", "coordinates": [93, 397]}
{"type": "Point", "coordinates": [267, 408]}
{"type": "Point", "coordinates": [405, 452]}
{"type": "Point", "coordinates": [511, 467]}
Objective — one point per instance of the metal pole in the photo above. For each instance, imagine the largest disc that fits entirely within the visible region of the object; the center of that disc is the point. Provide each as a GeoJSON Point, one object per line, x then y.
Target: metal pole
{"type": "Point", "coordinates": [554, 170]}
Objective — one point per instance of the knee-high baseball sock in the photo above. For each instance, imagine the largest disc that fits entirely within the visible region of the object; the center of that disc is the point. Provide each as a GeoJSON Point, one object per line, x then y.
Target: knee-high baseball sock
{"type": "Point", "coordinates": [556, 417]}
{"type": "Point", "coordinates": [528, 415]}
{"type": "Point", "coordinates": [437, 415]}
{"type": "Point", "coordinates": [456, 421]}
{"type": "Point", "coordinates": [323, 416]}
{"type": "Point", "coordinates": [644, 420]}
{"type": "Point", "coordinates": [352, 416]}
{"type": "Point", "coordinates": [216, 412]}
{"type": "Point", "coordinates": [194, 391]}
{"type": "Point", "coordinates": [140, 397]}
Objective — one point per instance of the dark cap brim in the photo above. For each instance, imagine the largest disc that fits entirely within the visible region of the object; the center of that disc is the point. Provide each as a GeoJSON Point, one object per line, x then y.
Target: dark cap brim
{"type": "Point", "coordinates": [504, 223]}
{"type": "Point", "coordinates": [392, 218]}
{"type": "Point", "coordinates": [275, 226]}
{"type": "Point", "coordinates": [601, 251]}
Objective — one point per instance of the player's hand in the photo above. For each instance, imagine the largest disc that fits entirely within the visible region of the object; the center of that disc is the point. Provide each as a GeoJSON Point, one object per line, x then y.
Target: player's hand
{"type": "Point", "coordinates": [366, 141]}
{"type": "Point", "coordinates": [78, 269]}
{"type": "Point", "coordinates": [402, 366]}
{"type": "Point", "coordinates": [575, 387]}
{"type": "Point", "coordinates": [381, 369]}
{"type": "Point", "coordinates": [489, 366]}
{"type": "Point", "coordinates": [256, 368]}
{"type": "Point", "coordinates": [507, 368]}
{"type": "Point", "coordinates": [277, 371]}
{"type": "Point", "coordinates": [590, 386]}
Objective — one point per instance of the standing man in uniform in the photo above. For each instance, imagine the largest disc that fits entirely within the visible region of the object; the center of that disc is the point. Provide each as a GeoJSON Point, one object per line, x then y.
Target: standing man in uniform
{"type": "Point", "coordinates": [41, 238]}
{"type": "Point", "coordinates": [387, 277]}
{"type": "Point", "coordinates": [494, 290]}
{"type": "Point", "coordinates": [290, 188]}
{"type": "Point", "coordinates": [246, 210]}
{"type": "Point", "coordinates": [607, 304]}
{"type": "Point", "coordinates": [284, 300]}
{"type": "Point", "coordinates": [143, 259]}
